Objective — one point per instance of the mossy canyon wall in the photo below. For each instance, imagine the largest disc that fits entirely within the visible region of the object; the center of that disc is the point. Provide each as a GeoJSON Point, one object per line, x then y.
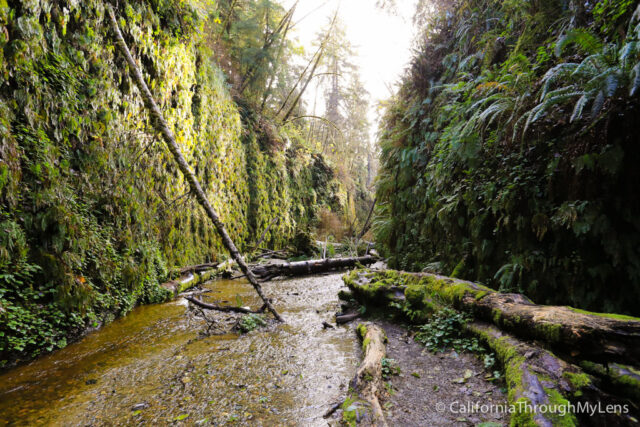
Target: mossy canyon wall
{"type": "Point", "coordinates": [93, 212]}
{"type": "Point", "coordinates": [510, 154]}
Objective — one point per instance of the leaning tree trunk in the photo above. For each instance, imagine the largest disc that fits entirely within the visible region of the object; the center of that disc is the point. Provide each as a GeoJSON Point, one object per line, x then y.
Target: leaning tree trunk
{"type": "Point", "coordinates": [301, 268]}
{"type": "Point", "coordinates": [162, 127]}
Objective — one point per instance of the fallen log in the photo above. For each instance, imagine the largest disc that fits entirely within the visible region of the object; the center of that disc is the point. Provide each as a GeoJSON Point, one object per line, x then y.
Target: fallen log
{"type": "Point", "coordinates": [535, 376]}
{"type": "Point", "coordinates": [346, 317]}
{"type": "Point", "coordinates": [301, 268]}
{"type": "Point", "coordinates": [617, 378]}
{"type": "Point", "coordinates": [226, 309]}
{"type": "Point", "coordinates": [362, 405]}
{"type": "Point", "coordinates": [543, 388]}
{"type": "Point", "coordinates": [580, 334]}
{"type": "Point", "coordinates": [198, 268]}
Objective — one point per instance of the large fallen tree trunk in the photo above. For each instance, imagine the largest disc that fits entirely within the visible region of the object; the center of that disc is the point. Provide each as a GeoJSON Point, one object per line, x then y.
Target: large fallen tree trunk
{"type": "Point", "coordinates": [580, 334]}
{"type": "Point", "coordinates": [543, 388]}
{"type": "Point", "coordinates": [163, 128]}
{"type": "Point", "coordinates": [535, 376]}
{"type": "Point", "coordinates": [301, 268]}
{"type": "Point", "coordinates": [362, 405]}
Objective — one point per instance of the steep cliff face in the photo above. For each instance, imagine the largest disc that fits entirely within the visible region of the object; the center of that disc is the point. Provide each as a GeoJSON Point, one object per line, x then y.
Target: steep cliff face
{"type": "Point", "coordinates": [510, 156]}
{"type": "Point", "coordinates": [93, 212]}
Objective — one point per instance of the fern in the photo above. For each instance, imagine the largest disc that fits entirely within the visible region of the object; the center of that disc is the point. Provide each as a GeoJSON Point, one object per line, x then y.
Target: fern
{"type": "Point", "coordinates": [581, 37]}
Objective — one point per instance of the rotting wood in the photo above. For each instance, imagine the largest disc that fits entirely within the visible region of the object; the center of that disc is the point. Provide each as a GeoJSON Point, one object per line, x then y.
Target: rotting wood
{"type": "Point", "coordinates": [576, 333]}
{"type": "Point", "coordinates": [161, 126]}
{"type": "Point", "coordinates": [535, 375]}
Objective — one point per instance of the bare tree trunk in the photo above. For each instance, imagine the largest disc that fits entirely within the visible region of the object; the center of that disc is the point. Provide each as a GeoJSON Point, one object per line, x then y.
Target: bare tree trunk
{"type": "Point", "coordinates": [162, 127]}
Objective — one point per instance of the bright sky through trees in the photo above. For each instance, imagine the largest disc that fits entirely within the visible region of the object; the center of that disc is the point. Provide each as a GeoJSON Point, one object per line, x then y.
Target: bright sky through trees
{"type": "Point", "coordinates": [382, 41]}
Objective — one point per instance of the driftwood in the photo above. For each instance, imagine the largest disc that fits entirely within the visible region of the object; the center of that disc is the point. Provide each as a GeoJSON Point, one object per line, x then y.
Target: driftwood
{"type": "Point", "coordinates": [226, 309]}
{"type": "Point", "coordinates": [301, 268]}
{"type": "Point", "coordinates": [163, 128]}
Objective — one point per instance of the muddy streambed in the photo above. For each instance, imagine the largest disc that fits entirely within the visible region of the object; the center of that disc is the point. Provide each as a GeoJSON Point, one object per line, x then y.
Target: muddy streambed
{"type": "Point", "coordinates": [151, 367]}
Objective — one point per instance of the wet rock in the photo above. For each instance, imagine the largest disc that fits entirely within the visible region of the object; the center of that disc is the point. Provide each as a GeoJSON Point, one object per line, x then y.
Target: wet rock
{"type": "Point", "coordinates": [140, 406]}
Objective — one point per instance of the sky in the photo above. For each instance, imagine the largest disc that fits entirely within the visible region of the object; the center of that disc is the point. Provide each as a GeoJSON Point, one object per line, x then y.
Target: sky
{"type": "Point", "coordinates": [381, 40]}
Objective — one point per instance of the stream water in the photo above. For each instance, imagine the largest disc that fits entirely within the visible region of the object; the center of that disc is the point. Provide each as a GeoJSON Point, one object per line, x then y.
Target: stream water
{"type": "Point", "coordinates": [152, 366]}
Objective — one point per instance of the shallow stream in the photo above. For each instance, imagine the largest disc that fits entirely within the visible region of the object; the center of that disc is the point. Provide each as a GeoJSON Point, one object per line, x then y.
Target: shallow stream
{"type": "Point", "coordinates": [152, 366]}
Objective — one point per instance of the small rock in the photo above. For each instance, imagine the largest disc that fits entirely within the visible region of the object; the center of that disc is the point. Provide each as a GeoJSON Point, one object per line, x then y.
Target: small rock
{"type": "Point", "coordinates": [140, 406]}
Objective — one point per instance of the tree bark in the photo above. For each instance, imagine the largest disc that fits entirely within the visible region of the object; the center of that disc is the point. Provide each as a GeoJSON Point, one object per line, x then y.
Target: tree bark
{"type": "Point", "coordinates": [302, 268]}
{"type": "Point", "coordinates": [162, 127]}
{"type": "Point", "coordinates": [367, 383]}
{"type": "Point", "coordinates": [582, 335]}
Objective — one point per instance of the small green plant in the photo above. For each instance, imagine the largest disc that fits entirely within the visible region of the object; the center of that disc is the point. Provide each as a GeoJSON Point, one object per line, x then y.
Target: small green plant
{"type": "Point", "coordinates": [389, 368]}
{"type": "Point", "coordinates": [251, 321]}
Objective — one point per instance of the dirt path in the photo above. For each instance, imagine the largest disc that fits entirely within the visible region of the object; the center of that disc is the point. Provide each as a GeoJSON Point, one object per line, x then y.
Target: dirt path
{"type": "Point", "coordinates": [426, 393]}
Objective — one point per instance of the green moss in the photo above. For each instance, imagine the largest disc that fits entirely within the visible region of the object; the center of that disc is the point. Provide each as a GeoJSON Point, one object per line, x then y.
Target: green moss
{"type": "Point", "coordinates": [606, 315]}
{"type": "Point", "coordinates": [523, 418]}
{"type": "Point", "coordinates": [578, 381]}
{"type": "Point", "coordinates": [365, 343]}
{"type": "Point", "coordinates": [349, 411]}
{"type": "Point", "coordinates": [361, 329]}
{"type": "Point", "coordinates": [550, 331]}
{"type": "Point", "coordinates": [556, 400]}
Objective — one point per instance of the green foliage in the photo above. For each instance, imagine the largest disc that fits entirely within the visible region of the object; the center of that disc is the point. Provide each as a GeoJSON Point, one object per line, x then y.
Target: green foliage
{"type": "Point", "coordinates": [251, 321]}
{"type": "Point", "coordinates": [93, 211]}
{"type": "Point", "coordinates": [389, 368]}
{"type": "Point", "coordinates": [519, 164]}
{"type": "Point", "coordinates": [445, 330]}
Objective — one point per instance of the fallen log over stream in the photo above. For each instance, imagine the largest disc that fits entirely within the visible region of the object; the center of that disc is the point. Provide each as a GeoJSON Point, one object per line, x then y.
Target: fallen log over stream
{"type": "Point", "coordinates": [301, 268]}
{"type": "Point", "coordinates": [547, 352]}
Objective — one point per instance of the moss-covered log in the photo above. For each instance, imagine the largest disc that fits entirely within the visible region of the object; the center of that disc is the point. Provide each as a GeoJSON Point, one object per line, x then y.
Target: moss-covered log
{"type": "Point", "coordinates": [362, 406]}
{"type": "Point", "coordinates": [536, 378]}
{"type": "Point", "coordinates": [580, 334]}
{"type": "Point", "coordinates": [301, 268]}
{"type": "Point", "coordinates": [618, 378]}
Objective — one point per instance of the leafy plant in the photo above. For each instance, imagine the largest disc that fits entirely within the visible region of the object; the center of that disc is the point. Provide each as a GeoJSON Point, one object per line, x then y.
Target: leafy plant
{"type": "Point", "coordinates": [251, 321]}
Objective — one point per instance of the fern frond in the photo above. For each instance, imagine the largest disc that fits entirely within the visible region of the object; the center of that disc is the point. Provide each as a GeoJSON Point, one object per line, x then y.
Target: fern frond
{"type": "Point", "coordinates": [636, 80]}
{"type": "Point", "coordinates": [579, 107]}
{"type": "Point", "coordinates": [555, 74]}
{"type": "Point", "coordinates": [597, 104]}
{"type": "Point", "coordinates": [581, 37]}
